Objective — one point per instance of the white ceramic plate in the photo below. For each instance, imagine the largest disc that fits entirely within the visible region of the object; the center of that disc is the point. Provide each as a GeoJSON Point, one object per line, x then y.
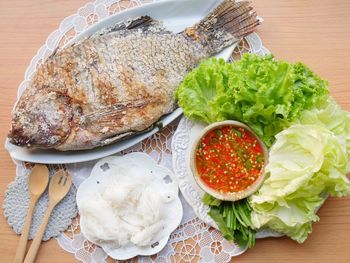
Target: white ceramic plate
{"type": "Point", "coordinates": [186, 134]}
{"type": "Point", "coordinates": [173, 209]}
{"type": "Point", "coordinates": [176, 15]}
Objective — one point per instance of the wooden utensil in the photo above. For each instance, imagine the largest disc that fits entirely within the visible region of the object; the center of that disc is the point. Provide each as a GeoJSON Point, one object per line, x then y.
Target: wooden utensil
{"type": "Point", "coordinates": [37, 181]}
{"type": "Point", "coordinates": [59, 186]}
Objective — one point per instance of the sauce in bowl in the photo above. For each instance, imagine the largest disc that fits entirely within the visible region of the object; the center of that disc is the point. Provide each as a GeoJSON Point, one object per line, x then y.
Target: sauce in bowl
{"type": "Point", "coordinates": [229, 159]}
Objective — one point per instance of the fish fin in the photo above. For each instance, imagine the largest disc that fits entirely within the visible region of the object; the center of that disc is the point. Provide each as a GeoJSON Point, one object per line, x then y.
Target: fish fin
{"type": "Point", "coordinates": [123, 136]}
{"type": "Point", "coordinates": [114, 110]}
{"type": "Point", "coordinates": [141, 22]}
{"type": "Point", "coordinates": [110, 117]}
{"type": "Point", "coordinates": [116, 138]}
{"type": "Point", "coordinates": [228, 23]}
{"type": "Point", "coordinates": [144, 22]}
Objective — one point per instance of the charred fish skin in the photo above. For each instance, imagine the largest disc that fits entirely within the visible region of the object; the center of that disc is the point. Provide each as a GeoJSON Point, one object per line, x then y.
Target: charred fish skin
{"type": "Point", "coordinates": [128, 93]}
{"type": "Point", "coordinates": [120, 81]}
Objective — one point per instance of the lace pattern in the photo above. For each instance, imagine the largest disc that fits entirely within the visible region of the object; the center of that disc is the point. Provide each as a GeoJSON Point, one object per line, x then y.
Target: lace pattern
{"type": "Point", "coordinates": [193, 240]}
{"type": "Point", "coordinates": [16, 204]}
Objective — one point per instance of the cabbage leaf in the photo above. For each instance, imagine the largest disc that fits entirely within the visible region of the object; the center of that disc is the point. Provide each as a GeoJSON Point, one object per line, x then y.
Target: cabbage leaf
{"type": "Point", "coordinates": [306, 163]}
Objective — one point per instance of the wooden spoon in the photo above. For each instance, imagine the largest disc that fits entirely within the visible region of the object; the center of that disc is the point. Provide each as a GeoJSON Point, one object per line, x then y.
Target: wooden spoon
{"type": "Point", "coordinates": [59, 186]}
{"type": "Point", "coordinates": [38, 180]}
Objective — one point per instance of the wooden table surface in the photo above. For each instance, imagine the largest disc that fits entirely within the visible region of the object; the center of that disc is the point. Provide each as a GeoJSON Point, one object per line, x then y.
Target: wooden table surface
{"type": "Point", "coordinates": [315, 32]}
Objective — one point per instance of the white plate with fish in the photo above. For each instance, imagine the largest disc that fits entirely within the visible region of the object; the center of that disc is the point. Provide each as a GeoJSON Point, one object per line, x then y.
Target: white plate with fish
{"type": "Point", "coordinates": [73, 102]}
{"type": "Point", "coordinates": [129, 205]}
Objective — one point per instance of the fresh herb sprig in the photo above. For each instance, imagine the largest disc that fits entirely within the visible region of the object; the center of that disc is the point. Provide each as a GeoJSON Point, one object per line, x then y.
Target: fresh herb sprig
{"type": "Point", "coordinates": [233, 219]}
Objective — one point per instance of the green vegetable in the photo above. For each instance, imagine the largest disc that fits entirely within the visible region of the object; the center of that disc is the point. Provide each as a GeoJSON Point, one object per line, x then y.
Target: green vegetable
{"type": "Point", "coordinates": [329, 115]}
{"type": "Point", "coordinates": [215, 214]}
{"type": "Point", "coordinates": [233, 219]}
{"type": "Point", "coordinates": [210, 200]}
{"type": "Point", "coordinates": [309, 159]}
{"type": "Point", "coordinates": [306, 163]}
{"type": "Point", "coordinates": [264, 93]}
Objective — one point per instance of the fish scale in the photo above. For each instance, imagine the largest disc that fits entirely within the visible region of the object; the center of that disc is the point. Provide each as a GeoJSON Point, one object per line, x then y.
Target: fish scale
{"type": "Point", "coordinates": [120, 81]}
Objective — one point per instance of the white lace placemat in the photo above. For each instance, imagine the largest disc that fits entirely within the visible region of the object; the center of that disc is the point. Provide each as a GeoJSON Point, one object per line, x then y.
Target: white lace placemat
{"type": "Point", "coordinates": [193, 240]}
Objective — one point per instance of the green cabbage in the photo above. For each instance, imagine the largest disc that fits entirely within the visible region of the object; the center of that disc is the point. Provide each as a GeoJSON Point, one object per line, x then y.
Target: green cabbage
{"type": "Point", "coordinates": [329, 114]}
{"type": "Point", "coordinates": [306, 163]}
{"type": "Point", "coordinates": [264, 93]}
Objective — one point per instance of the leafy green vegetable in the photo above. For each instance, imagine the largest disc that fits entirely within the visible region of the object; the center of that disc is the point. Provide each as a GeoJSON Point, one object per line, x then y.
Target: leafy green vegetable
{"type": "Point", "coordinates": [260, 91]}
{"type": "Point", "coordinates": [203, 89]}
{"type": "Point", "coordinates": [328, 114]}
{"type": "Point", "coordinates": [233, 219]}
{"type": "Point", "coordinates": [306, 163]}
{"type": "Point", "coordinates": [210, 200]}
{"type": "Point", "coordinates": [216, 215]}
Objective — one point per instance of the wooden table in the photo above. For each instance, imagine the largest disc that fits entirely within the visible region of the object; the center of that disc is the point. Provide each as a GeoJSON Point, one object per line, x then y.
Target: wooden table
{"type": "Point", "coordinates": [312, 31]}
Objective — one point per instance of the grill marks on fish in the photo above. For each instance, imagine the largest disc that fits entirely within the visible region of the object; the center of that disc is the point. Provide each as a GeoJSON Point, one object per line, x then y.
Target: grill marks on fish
{"type": "Point", "coordinates": [119, 81]}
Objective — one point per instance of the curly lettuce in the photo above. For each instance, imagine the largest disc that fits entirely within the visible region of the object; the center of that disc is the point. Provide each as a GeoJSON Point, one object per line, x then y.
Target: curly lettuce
{"type": "Point", "coordinates": [264, 93]}
{"type": "Point", "coordinates": [306, 163]}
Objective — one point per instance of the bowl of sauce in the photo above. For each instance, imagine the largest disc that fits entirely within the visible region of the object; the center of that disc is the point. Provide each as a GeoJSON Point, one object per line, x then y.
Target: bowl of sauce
{"type": "Point", "coordinates": [228, 160]}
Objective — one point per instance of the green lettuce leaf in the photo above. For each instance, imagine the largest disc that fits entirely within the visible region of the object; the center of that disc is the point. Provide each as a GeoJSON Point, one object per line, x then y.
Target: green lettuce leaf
{"type": "Point", "coordinates": [306, 163]}
{"type": "Point", "coordinates": [204, 94]}
{"type": "Point", "coordinates": [264, 93]}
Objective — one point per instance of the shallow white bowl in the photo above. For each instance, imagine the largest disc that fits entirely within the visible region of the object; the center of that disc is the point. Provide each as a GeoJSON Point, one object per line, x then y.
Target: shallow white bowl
{"type": "Point", "coordinates": [173, 209]}
{"type": "Point", "coordinates": [231, 196]}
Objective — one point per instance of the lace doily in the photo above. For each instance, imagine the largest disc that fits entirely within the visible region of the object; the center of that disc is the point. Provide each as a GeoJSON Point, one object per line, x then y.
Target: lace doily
{"type": "Point", "coordinates": [16, 203]}
{"type": "Point", "coordinates": [193, 240]}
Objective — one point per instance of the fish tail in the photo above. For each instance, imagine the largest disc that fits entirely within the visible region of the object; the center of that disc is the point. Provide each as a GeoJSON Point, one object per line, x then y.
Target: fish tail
{"type": "Point", "coordinates": [228, 23]}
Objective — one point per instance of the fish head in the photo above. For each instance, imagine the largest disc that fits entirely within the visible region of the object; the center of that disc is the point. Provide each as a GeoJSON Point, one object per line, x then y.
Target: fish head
{"type": "Point", "coordinates": [41, 119]}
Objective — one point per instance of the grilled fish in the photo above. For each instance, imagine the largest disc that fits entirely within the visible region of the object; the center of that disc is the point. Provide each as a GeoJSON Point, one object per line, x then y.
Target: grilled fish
{"type": "Point", "coordinates": [119, 81]}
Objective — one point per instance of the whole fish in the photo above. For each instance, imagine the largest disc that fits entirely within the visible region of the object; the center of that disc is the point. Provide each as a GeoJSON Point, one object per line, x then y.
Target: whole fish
{"type": "Point", "coordinates": [119, 81]}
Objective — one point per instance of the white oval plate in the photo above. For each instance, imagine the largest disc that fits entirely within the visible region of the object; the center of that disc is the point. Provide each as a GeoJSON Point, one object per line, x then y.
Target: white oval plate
{"type": "Point", "coordinates": [173, 209]}
{"type": "Point", "coordinates": [176, 15]}
{"type": "Point", "coordinates": [185, 135]}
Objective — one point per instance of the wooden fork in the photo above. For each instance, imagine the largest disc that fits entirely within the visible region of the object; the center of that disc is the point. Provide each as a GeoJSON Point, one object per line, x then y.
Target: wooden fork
{"type": "Point", "coordinates": [60, 184]}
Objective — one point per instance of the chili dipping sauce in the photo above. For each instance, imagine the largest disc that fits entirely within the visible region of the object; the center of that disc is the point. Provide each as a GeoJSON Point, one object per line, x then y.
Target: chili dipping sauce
{"type": "Point", "coordinates": [229, 159]}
